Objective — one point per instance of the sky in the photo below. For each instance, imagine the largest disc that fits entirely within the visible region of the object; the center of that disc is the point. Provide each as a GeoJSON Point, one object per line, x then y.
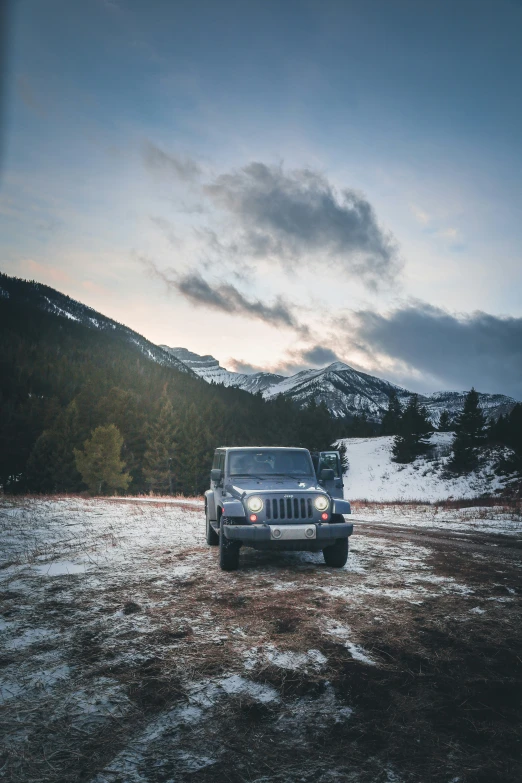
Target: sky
{"type": "Point", "coordinates": [279, 184]}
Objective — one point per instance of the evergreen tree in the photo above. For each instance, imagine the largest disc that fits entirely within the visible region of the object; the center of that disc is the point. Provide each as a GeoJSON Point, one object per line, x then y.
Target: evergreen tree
{"type": "Point", "coordinates": [392, 416]}
{"type": "Point", "coordinates": [196, 448]}
{"type": "Point", "coordinates": [51, 466]}
{"type": "Point", "coordinates": [160, 465]}
{"type": "Point", "coordinates": [509, 433]}
{"type": "Point", "coordinates": [343, 453]}
{"type": "Point", "coordinates": [444, 422]}
{"type": "Point", "coordinates": [415, 428]}
{"type": "Point", "coordinates": [317, 428]}
{"type": "Point", "coordinates": [100, 462]}
{"type": "Point", "coordinates": [470, 435]}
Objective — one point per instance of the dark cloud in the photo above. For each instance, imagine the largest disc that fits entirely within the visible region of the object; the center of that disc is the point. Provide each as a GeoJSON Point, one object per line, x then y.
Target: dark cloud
{"type": "Point", "coordinates": [453, 351]}
{"type": "Point", "coordinates": [294, 361]}
{"type": "Point", "coordinates": [238, 365]}
{"type": "Point", "coordinates": [299, 215]}
{"type": "Point", "coordinates": [227, 298]}
{"type": "Point", "coordinates": [168, 165]}
{"type": "Point", "coordinates": [319, 356]}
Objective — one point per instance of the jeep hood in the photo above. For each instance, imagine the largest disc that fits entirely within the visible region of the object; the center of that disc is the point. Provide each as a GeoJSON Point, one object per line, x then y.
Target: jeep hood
{"type": "Point", "coordinates": [239, 487]}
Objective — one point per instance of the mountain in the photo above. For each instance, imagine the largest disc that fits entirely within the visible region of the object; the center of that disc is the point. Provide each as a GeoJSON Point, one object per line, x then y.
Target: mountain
{"type": "Point", "coordinates": [48, 300]}
{"type": "Point", "coordinates": [211, 371]}
{"type": "Point", "coordinates": [344, 390]}
{"type": "Point", "coordinates": [66, 370]}
{"type": "Point", "coordinates": [348, 392]}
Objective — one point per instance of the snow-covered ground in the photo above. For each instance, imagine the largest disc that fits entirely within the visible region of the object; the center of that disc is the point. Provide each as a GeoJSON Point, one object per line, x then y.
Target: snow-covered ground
{"type": "Point", "coordinates": [500, 520]}
{"type": "Point", "coordinates": [373, 475]}
{"type": "Point", "coordinates": [126, 655]}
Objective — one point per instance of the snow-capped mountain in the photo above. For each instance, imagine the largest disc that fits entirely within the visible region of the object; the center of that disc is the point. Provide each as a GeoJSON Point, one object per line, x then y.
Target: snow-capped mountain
{"type": "Point", "coordinates": [211, 371]}
{"type": "Point", "coordinates": [344, 390]}
{"type": "Point", "coordinates": [51, 301]}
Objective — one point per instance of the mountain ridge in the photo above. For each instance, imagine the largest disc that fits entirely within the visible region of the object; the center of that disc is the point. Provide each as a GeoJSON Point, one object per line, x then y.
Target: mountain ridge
{"type": "Point", "coordinates": [52, 301]}
{"type": "Point", "coordinates": [345, 391]}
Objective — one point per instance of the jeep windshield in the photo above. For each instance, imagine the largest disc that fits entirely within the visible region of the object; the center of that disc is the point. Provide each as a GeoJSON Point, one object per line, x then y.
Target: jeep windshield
{"type": "Point", "coordinates": [269, 462]}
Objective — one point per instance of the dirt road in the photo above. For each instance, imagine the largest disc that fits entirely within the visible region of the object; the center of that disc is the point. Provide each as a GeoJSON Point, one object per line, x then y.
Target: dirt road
{"type": "Point", "coordinates": [128, 656]}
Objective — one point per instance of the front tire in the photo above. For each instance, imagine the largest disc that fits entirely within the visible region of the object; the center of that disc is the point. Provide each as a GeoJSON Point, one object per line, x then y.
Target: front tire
{"type": "Point", "coordinates": [212, 536]}
{"type": "Point", "coordinates": [228, 551]}
{"type": "Point", "coordinates": [336, 554]}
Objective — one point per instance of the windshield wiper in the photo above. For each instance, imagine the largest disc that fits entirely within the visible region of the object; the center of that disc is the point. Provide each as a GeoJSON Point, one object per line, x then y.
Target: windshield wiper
{"type": "Point", "coordinates": [293, 475]}
{"type": "Point", "coordinates": [250, 475]}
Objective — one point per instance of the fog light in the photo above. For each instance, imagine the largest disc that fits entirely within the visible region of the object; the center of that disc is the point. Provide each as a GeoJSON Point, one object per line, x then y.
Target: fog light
{"type": "Point", "coordinates": [276, 533]}
{"type": "Point", "coordinates": [324, 516]}
{"type": "Point", "coordinates": [253, 517]}
{"type": "Point", "coordinates": [309, 532]}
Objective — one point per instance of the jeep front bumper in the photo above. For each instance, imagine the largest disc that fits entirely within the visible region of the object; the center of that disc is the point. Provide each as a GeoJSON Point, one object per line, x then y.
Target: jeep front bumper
{"type": "Point", "coordinates": [264, 533]}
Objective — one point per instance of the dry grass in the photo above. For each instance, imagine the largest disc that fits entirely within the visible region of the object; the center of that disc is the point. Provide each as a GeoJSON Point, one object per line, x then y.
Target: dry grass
{"type": "Point", "coordinates": [157, 645]}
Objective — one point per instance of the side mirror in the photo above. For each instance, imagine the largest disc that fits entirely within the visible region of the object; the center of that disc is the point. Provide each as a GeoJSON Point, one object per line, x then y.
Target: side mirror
{"type": "Point", "coordinates": [216, 475]}
{"type": "Point", "coordinates": [327, 474]}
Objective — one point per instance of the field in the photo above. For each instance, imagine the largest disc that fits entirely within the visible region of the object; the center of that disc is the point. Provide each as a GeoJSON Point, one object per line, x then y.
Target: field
{"type": "Point", "coordinates": [128, 657]}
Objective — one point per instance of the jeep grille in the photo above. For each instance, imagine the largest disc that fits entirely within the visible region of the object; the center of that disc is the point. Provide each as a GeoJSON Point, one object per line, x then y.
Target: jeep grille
{"type": "Point", "coordinates": [288, 508]}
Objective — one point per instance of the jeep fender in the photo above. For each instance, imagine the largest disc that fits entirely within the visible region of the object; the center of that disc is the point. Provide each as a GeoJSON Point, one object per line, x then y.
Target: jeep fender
{"type": "Point", "coordinates": [341, 506]}
{"type": "Point", "coordinates": [233, 508]}
{"type": "Point", "coordinates": [210, 504]}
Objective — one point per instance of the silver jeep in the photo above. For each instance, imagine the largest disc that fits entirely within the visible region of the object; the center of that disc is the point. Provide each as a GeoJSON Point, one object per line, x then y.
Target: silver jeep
{"type": "Point", "coordinates": [276, 498]}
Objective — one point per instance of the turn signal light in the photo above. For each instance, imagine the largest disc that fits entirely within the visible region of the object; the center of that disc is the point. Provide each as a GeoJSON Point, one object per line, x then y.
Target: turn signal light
{"type": "Point", "coordinates": [323, 516]}
{"type": "Point", "coordinates": [253, 517]}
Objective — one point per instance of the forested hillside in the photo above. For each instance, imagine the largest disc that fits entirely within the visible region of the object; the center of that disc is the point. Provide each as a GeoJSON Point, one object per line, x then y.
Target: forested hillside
{"type": "Point", "coordinates": [61, 379]}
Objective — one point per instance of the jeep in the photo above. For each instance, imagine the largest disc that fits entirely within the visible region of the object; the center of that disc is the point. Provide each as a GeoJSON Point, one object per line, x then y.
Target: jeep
{"type": "Point", "coordinates": [277, 498]}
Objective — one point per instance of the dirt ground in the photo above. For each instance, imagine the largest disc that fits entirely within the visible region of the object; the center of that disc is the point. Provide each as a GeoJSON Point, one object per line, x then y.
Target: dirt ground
{"type": "Point", "coordinates": [127, 656]}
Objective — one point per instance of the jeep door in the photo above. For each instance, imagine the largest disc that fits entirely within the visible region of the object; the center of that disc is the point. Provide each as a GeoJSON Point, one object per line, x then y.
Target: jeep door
{"type": "Point", "coordinates": [331, 460]}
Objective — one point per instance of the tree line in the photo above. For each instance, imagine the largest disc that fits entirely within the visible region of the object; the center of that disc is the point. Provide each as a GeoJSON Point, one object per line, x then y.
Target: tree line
{"type": "Point", "coordinates": [474, 438]}
{"type": "Point", "coordinates": [69, 393]}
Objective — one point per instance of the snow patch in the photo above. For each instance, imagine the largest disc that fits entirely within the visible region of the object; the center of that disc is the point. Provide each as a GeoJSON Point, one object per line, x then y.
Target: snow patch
{"type": "Point", "coordinates": [342, 633]}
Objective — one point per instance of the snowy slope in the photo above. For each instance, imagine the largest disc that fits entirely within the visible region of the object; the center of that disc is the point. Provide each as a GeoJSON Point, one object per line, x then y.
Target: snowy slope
{"type": "Point", "coordinates": [208, 368]}
{"type": "Point", "coordinates": [373, 476]}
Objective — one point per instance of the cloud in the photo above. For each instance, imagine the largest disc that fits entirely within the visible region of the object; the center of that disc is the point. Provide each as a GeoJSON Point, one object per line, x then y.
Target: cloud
{"type": "Point", "coordinates": [451, 351]}
{"type": "Point", "coordinates": [298, 215]}
{"type": "Point", "coordinates": [227, 298]}
{"type": "Point", "coordinates": [319, 355]}
{"type": "Point", "coordinates": [239, 365]}
{"type": "Point", "coordinates": [167, 165]}
{"type": "Point", "coordinates": [293, 362]}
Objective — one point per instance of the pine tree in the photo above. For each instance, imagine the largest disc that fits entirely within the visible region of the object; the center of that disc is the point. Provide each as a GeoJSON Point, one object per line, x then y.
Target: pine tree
{"type": "Point", "coordinates": [444, 422]}
{"type": "Point", "coordinates": [317, 428]}
{"type": "Point", "coordinates": [51, 466]}
{"type": "Point", "coordinates": [470, 435]}
{"type": "Point", "coordinates": [343, 453]}
{"type": "Point", "coordinates": [415, 428]}
{"type": "Point", "coordinates": [392, 416]}
{"type": "Point", "coordinates": [196, 447]}
{"type": "Point", "coordinates": [160, 466]}
{"type": "Point", "coordinates": [100, 463]}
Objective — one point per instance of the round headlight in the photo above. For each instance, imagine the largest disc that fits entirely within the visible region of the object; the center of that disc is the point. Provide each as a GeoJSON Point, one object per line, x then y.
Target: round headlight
{"type": "Point", "coordinates": [321, 503]}
{"type": "Point", "coordinates": [255, 504]}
